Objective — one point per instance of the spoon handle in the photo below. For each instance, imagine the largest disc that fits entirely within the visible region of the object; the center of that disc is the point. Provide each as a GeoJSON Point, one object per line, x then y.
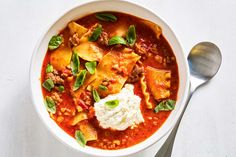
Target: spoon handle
{"type": "Point", "coordinates": [166, 149]}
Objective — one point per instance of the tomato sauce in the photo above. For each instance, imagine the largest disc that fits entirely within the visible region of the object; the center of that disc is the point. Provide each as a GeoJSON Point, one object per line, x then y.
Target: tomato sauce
{"type": "Point", "coordinates": [153, 121]}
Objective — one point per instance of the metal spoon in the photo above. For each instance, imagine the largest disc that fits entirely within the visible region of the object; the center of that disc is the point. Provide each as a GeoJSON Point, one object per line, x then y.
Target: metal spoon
{"type": "Point", "coordinates": [204, 62]}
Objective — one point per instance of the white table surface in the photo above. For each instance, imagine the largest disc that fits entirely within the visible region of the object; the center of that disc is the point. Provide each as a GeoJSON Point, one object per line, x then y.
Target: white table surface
{"type": "Point", "coordinates": [208, 128]}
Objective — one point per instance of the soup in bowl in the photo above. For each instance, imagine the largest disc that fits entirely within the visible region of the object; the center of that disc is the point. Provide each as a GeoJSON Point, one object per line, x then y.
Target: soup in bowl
{"type": "Point", "coordinates": [112, 82]}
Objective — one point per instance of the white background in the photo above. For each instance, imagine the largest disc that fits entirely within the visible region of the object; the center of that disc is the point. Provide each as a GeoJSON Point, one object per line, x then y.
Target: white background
{"type": "Point", "coordinates": [208, 128]}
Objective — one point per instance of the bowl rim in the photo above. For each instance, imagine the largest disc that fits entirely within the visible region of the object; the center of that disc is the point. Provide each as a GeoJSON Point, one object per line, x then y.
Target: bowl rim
{"type": "Point", "coordinates": [109, 152]}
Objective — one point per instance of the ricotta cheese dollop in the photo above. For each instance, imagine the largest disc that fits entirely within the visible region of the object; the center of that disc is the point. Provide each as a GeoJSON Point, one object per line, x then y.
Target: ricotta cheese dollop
{"type": "Point", "coordinates": [126, 114]}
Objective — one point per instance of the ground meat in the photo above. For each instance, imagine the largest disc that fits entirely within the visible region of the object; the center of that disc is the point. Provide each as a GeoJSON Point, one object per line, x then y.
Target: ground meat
{"type": "Point", "coordinates": [141, 47]}
{"type": "Point", "coordinates": [116, 67]}
{"type": "Point", "coordinates": [74, 40]}
{"type": "Point", "coordinates": [159, 59]}
{"type": "Point", "coordinates": [153, 48]}
{"type": "Point", "coordinates": [103, 39]}
{"type": "Point", "coordinates": [145, 49]}
{"type": "Point", "coordinates": [120, 69]}
{"type": "Point", "coordinates": [55, 77]}
{"type": "Point", "coordinates": [87, 98]}
{"type": "Point", "coordinates": [170, 60]}
{"type": "Point", "coordinates": [66, 73]}
{"type": "Point", "coordinates": [80, 105]}
{"type": "Point", "coordinates": [56, 97]}
{"type": "Point", "coordinates": [136, 74]}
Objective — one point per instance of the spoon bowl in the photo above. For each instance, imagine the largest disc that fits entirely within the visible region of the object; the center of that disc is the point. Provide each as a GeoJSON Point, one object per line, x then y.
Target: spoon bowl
{"type": "Point", "coordinates": [204, 60]}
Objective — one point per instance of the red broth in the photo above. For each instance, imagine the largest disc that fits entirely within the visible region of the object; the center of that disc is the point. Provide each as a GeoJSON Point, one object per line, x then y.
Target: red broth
{"type": "Point", "coordinates": [107, 138]}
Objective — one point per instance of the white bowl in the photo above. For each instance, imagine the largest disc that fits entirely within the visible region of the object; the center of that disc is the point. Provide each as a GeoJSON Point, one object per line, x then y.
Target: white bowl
{"type": "Point", "coordinates": [80, 11]}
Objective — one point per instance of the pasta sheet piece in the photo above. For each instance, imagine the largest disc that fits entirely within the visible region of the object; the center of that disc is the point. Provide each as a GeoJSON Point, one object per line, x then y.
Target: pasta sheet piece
{"type": "Point", "coordinates": [76, 28]}
{"type": "Point", "coordinates": [158, 81]}
{"type": "Point", "coordinates": [88, 51]}
{"type": "Point", "coordinates": [60, 58]}
{"type": "Point", "coordinates": [89, 131]}
{"type": "Point", "coordinates": [115, 67]}
{"type": "Point", "coordinates": [145, 93]}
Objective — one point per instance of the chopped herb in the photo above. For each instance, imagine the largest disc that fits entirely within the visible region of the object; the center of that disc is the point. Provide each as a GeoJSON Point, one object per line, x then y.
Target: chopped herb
{"type": "Point", "coordinates": [55, 42]}
{"type": "Point", "coordinates": [48, 84]}
{"type": "Point", "coordinates": [106, 17]}
{"type": "Point", "coordinates": [116, 40]}
{"type": "Point", "coordinates": [91, 66]}
{"type": "Point", "coordinates": [166, 105]}
{"type": "Point", "coordinates": [131, 35]}
{"type": "Point", "coordinates": [79, 80]}
{"type": "Point", "coordinates": [49, 68]}
{"type": "Point", "coordinates": [75, 63]}
{"type": "Point", "coordinates": [102, 87]}
{"type": "Point", "coordinates": [112, 103]}
{"type": "Point", "coordinates": [79, 136]}
{"type": "Point", "coordinates": [50, 105]}
{"type": "Point", "coordinates": [96, 33]}
{"type": "Point", "coordinates": [61, 88]}
{"type": "Point", "coordinates": [96, 96]}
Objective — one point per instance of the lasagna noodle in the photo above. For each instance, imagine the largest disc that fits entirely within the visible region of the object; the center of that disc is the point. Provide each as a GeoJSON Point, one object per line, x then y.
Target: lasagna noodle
{"type": "Point", "coordinates": [76, 28]}
{"type": "Point", "coordinates": [158, 81]}
{"type": "Point", "coordinates": [105, 70]}
{"type": "Point", "coordinates": [60, 57]}
{"type": "Point", "coordinates": [88, 51]}
{"type": "Point", "coordinates": [145, 93]}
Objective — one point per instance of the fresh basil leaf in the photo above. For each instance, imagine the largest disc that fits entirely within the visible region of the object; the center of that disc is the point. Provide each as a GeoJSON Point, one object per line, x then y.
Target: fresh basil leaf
{"type": "Point", "coordinates": [61, 88]}
{"type": "Point", "coordinates": [91, 66]}
{"type": "Point", "coordinates": [112, 103]}
{"type": "Point", "coordinates": [96, 33]}
{"type": "Point", "coordinates": [166, 105]}
{"type": "Point", "coordinates": [79, 81]}
{"type": "Point", "coordinates": [96, 97]}
{"type": "Point", "coordinates": [117, 40]}
{"type": "Point", "coordinates": [55, 42]}
{"type": "Point", "coordinates": [50, 105]}
{"type": "Point", "coordinates": [75, 63]}
{"type": "Point", "coordinates": [48, 84]}
{"type": "Point", "coordinates": [102, 87]}
{"type": "Point", "coordinates": [49, 68]}
{"type": "Point", "coordinates": [131, 35]}
{"type": "Point", "coordinates": [106, 17]}
{"type": "Point", "coordinates": [79, 136]}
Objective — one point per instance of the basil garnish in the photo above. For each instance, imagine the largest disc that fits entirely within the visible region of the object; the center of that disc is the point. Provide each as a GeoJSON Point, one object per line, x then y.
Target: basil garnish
{"type": "Point", "coordinates": [101, 87]}
{"type": "Point", "coordinates": [112, 103]}
{"type": "Point", "coordinates": [166, 105]}
{"type": "Point", "coordinates": [75, 63]}
{"type": "Point", "coordinates": [91, 66]}
{"type": "Point", "coordinates": [79, 136]}
{"type": "Point", "coordinates": [54, 42]}
{"type": "Point", "coordinates": [96, 33]}
{"type": "Point", "coordinates": [50, 105]}
{"type": "Point", "coordinates": [79, 80]}
{"type": "Point", "coordinates": [49, 68]}
{"type": "Point", "coordinates": [61, 88]}
{"type": "Point", "coordinates": [106, 17]}
{"type": "Point", "coordinates": [131, 35]}
{"type": "Point", "coordinates": [116, 40]}
{"type": "Point", "coordinates": [48, 84]}
{"type": "Point", "coordinates": [96, 96]}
